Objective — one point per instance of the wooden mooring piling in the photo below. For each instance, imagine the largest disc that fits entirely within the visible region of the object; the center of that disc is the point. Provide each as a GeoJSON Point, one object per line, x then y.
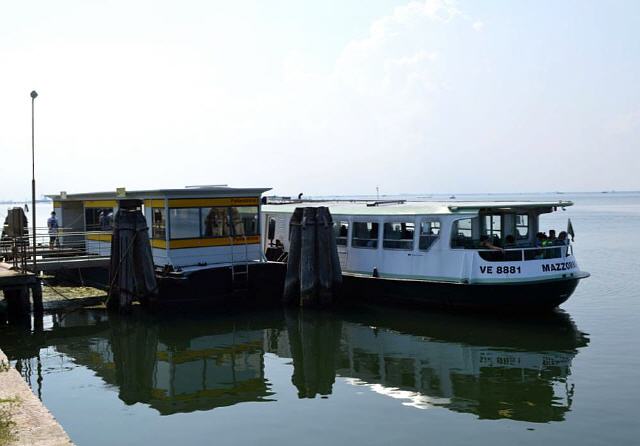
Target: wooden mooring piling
{"type": "Point", "coordinates": [313, 268]}
{"type": "Point", "coordinates": [132, 273]}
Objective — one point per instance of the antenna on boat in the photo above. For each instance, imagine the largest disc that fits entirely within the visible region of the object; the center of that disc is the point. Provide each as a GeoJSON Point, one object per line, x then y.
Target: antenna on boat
{"type": "Point", "coordinates": [377, 192]}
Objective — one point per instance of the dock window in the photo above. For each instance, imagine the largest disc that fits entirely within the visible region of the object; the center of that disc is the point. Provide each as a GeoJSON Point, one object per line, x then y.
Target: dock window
{"type": "Point", "coordinates": [461, 234]}
{"type": "Point", "coordinates": [341, 229]}
{"type": "Point", "coordinates": [244, 220]}
{"type": "Point", "coordinates": [364, 235]}
{"type": "Point", "coordinates": [185, 223]}
{"type": "Point", "coordinates": [398, 236]}
{"type": "Point", "coordinates": [522, 226]}
{"type": "Point", "coordinates": [429, 233]}
{"type": "Point", "coordinates": [98, 219]}
{"type": "Point", "coordinates": [158, 224]}
{"type": "Point", "coordinates": [215, 222]}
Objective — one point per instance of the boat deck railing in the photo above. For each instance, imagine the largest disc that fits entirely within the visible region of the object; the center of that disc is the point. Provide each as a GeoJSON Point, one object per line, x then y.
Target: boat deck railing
{"type": "Point", "coordinates": [524, 254]}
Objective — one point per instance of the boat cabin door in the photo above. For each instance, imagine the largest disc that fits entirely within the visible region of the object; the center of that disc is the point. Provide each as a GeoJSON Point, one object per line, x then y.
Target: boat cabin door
{"type": "Point", "coordinates": [341, 229]}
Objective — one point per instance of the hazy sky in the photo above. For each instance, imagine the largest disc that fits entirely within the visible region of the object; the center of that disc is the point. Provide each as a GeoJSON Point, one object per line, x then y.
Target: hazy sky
{"type": "Point", "coordinates": [324, 97]}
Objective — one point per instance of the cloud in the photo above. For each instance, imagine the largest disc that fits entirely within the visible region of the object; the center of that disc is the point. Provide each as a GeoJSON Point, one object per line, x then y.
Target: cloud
{"type": "Point", "coordinates": [394, 55]}
{"type": "Point", "coordinates": [374, 103]}
{"type": "Point", "coordinates": [623, 123]}
{"type": "Point", "coordinates": [478, 26]}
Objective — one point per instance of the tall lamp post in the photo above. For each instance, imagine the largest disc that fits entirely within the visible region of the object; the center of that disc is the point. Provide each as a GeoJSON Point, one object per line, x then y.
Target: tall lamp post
{"type": "Point", "coordinates": [34, 95]}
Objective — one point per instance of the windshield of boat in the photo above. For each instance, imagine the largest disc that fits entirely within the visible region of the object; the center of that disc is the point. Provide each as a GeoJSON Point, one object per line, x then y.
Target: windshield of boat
{"type": "Point", "coordinates": [504, 229]}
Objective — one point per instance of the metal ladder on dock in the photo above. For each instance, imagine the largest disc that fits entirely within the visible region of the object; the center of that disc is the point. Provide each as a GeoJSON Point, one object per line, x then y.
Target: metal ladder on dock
{"type": "Point", "coordinates": [240, 271]}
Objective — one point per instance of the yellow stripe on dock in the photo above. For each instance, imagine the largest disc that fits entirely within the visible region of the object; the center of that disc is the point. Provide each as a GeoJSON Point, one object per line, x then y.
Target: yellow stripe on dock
{"type": "Point", "coordinates": [211, 202]}
{"type": "Point", "coordinates": [100, 204]}
{"type": "Point", "coordinates": [214, 241]}
{"type": "Point", "coordinates": [154, 203]}
{"type": "Point", "coordinates": [158, 243]}
{"type": "Point", "coordinates": [99, 237]}
{"type": "Point", "coordinates": [205, 242]}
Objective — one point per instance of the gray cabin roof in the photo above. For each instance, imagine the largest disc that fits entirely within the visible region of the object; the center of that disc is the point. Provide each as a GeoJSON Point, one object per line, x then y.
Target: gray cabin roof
{"type": "Point", "coordinates": [189, 192]}
{"type": "Point", "coordinates": [417, 207]}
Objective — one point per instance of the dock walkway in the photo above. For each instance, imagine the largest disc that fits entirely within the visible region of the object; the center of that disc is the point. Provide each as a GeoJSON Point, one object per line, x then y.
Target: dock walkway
{"type": "Point", "coordinates": [11, 278]}
{"type": "Point", "coordinates": [29, 421]}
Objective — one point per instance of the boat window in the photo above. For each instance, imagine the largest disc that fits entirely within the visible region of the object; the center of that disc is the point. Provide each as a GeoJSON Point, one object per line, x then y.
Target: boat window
{"type": "Point", "coordinates": [398, 235]}
{"type": "Point", "coordinates": [158, 224]}
{"type": "Point", "coordinates": [185, 222]}
{"type": "Point", "coordinates": [341, 229]}
{"type": "Point", "coordinates": [244, 220]}
{"type": "Point", "coordinates": [461, 234]}
{"type": "Point", "coordinates": [98, 219]}
{"type": "Point", "coordinates": [522, 226]}
{"type": "Point", "coordinates": [429, 233]}
{"type": "Point", "coordinates": [492, 227]}
{"type": "Point", "coordinates": [215, 222]}
{"type": "Point", "coordinates": [365, 235]}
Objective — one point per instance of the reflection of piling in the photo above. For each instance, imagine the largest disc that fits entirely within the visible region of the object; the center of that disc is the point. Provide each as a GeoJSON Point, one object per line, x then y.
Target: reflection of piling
{"type": "Point", "coordinates": [134, 344]}
{"type": "Point", "coordinates": [132, 269]}
{"type": "Point", "coordinates": [314, 339]}
{"type": "Point", "coordinates": [313, 267]}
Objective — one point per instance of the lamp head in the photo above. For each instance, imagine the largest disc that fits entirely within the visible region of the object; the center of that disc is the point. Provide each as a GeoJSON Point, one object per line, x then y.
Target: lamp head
{"type": "Point", "coordinates": [34, 94]}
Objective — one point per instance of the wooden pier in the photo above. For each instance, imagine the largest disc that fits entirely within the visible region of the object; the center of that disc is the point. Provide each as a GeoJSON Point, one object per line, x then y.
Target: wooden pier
{"type": "Point", "coordinates": [53, 264]}
{"type": "Point", "coordinates": [18, 287]}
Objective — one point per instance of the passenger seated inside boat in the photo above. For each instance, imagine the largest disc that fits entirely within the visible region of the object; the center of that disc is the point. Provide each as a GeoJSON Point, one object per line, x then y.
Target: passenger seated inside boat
{"type": "Point", "coordinates": [562, 239]}
{"type": "Point", "coordinates": [496, 253]}
{"type": "Point", "coordinates": [511, 254]}
{"type": "Point", "coordinates": [485, 243]}
{"type": "Point", "coordinates": [510, 242]}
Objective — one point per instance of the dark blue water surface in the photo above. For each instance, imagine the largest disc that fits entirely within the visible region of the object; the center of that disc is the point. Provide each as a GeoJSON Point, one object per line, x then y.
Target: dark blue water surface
{"type": "Point", "coordinates": [367, 375]}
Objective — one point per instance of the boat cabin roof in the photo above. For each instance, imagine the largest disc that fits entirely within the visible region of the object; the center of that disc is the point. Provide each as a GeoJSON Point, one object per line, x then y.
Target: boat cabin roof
{"type": "Point", "coordinates": [418, 207]}
{"type": "Point", "coordinates": [187, 192]}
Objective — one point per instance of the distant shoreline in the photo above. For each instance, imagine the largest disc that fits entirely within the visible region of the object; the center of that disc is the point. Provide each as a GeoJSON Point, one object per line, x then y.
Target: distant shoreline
{"type": "Point", "coordinates": [24, 201]}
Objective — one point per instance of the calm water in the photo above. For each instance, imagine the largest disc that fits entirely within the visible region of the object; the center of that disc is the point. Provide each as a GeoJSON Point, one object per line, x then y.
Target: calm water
{"type": "Point", "coordinates": [367, 375]}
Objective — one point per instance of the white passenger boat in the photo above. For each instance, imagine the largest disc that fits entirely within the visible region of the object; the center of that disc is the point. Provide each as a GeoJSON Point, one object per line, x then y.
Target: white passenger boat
{"type": "Point", "coordinates": [459, 254]}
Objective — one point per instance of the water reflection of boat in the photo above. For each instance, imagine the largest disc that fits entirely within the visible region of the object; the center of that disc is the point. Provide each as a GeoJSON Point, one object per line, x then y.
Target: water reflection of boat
{"type": "Point", "coordinates": [178, 366]}
{"type": "Point", "coordinates": [516, 369]}
{"type": "Point", "coordinates": [509, 369]}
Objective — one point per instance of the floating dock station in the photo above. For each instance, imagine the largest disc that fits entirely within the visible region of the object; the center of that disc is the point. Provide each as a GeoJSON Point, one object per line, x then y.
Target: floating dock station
{"type": "Point", "coordinates": [204, 244]}
{"type": "Point", "coordinates": [205, 241]}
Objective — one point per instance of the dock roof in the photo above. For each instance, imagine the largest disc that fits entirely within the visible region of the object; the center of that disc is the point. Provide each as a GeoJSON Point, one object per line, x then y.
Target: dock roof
{"type": "Point", "coordinates": [415, 207]}
{"type": "Point", "coordinates": [187, 192]}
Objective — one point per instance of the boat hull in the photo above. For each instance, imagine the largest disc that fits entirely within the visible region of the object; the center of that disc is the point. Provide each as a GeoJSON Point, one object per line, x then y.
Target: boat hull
{"type": "Point", "coordinates": [543, 295]}
{"type": "Point", "coordinates": [264, 286]}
